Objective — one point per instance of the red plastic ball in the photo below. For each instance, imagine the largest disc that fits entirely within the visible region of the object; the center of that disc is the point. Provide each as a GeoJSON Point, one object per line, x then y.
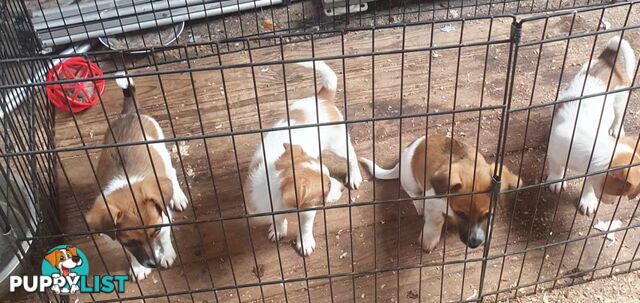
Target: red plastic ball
{"type": "Point", "coordinates": [76, 96]}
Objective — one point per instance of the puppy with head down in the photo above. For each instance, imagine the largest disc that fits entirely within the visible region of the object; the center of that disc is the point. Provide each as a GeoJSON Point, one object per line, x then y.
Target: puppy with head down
{"type": "Point", "coordinates": [449, 169]}
{"type": "Point", "coordinates": [591, 146]}
{"type": "Point", "coordinates": [135, 181]}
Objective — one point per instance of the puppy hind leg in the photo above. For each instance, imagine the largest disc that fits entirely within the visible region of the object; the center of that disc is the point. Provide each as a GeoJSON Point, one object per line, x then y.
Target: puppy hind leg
{"type": "Point", "coordinates": [341, 146]}
{"type": "Point", "coordinates": [619, 103]}
{"type": "Point", "coordinates": [354, 168]}
{"type": "Point", "coordinates": [418, 203]}
{"type": "Point", "coordinates": [279, 230]}
{"type": "Point", "coordinates": [555, 172]}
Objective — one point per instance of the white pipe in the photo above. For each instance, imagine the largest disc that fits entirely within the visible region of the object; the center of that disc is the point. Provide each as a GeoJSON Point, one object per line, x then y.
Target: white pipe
{"type": "Point", "coordinates": [70, 19]}
{"type": "Point", "coordinates": [16, 96]}
{"type": "Point", "coordinates": [83, 8]}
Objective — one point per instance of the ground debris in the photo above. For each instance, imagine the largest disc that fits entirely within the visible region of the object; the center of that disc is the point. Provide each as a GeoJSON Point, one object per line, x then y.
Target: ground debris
{"type": "Point", "coordinates": [258, 271]}
{"type": "Point", "coordinates": [607, 226]}
{"type": "Point", "coordinates": [412, 294]}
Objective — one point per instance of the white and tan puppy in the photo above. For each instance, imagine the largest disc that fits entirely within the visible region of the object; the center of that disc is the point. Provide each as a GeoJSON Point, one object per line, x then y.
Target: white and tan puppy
{"type": "Point", "coordinates": [139, 200]}
{"type": "Point", "coordinates": [597, 121]}
{"type": "Point", "coordinates": [449, 168]}
{"type": "Point", "coordinates": [285, 172]}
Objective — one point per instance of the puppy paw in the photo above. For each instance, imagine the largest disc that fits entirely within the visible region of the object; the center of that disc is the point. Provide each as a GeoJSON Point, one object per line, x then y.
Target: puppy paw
{"type": "Point", "coordinates": [588, 205]}
{"type": "Point", "coordinates": [282, 232]}
{"type": "Point", "coordinates": [179, 201]}
{"type": "Point", "coordinates": [613, 131]}
{"type": "Point", "coordinates": [139, 272]}
{"type": "Point", "coordinates": [355, 179]}
{"type": "Point", "coordinates": [558, 186]}
{"type": "Point", "coordinates": [168, 258]}
{"type": "Point", "coordinates": [429, 242]}
{"type": "Point", "coordinates": [307, 245]}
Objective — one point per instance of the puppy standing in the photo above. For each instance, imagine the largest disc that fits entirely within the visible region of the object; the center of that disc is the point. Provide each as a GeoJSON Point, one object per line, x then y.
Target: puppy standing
{"type": "Point", "coordinates": [312, 184]}
{"type": "Point", "coordinates": [585, 114]}
{"type": "Point", "coordinates": [150, 247]}
{"type": "Point", "coordinates": [449, 167]}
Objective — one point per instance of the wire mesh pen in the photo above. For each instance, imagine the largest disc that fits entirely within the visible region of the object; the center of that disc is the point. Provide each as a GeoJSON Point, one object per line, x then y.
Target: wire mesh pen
{"type": "Point", "coordinates": [484, 73]}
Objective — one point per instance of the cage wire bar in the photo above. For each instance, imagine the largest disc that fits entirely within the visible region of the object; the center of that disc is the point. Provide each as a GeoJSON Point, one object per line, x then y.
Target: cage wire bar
{"type": "Point", "coordinates": [586, 265]}
{"type": "Point", "coordinates": [84, 20]}
{"type": "Point", "coordinates": [26, 181]}
{"type": "Point", "coordinates": [492, 77]}
{"type": "Point", "coordinates": [68, 22]}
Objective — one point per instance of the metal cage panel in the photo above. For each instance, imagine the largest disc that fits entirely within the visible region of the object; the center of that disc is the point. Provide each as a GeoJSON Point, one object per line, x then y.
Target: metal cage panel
{"type": "Point", "coordinates": [489, 82]}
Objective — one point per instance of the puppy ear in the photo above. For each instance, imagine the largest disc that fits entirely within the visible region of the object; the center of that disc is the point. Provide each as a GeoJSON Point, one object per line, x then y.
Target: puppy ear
{"type": "Point", "coordinates": [509, 180]}
{"type": "Point", "coordinates": [632, 194]}
{"type": "Point", "coordinates": [302, 198]}
{"type": "Point", "coordinates": [442, 181]}
{"type": "Point", "coordinates": [98, 217]}
{"type": "Point", "coordinates": [150, 192]}
{"type": "Point", "coordinates": [73, 250]}
{"type": "Point", "coordinates": [295, 149]}
{"type": "Point", "coordinates": [289, 197]}
{"type": "Point", "coordinates": [634, 181]}
{"type": "Point", "coordinates": [53, 258]}
{"type": "Point", "coordinates": [624, 182]}
{"type": "Point", "coordinates": [309, 190]}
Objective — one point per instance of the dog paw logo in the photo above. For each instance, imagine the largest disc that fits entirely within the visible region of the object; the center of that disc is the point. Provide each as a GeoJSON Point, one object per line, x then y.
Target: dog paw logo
{"type": "Point", "coordinates": [65, 264]}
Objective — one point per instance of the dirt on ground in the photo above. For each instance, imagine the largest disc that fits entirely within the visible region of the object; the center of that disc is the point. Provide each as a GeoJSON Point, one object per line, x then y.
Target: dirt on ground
{"type": "Point", "coordinates": [621, 288]}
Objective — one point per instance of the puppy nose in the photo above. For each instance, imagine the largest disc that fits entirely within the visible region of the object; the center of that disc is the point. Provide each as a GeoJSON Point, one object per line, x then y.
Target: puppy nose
{"type": "Point", "coordinates": [75, 259]}
{"type": "Point", "coordinates": [474, 242]}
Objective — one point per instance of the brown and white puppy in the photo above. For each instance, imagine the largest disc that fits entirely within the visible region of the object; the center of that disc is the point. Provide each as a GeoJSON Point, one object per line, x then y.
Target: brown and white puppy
{"type": "Point", "coordinates": [449, 168]}
{"type": "Point", "coordinates": [137, 200]}
{"type": "Point", "coordinates": [285, 172]}
{"type": "Point", "coordinates": [597, 121]}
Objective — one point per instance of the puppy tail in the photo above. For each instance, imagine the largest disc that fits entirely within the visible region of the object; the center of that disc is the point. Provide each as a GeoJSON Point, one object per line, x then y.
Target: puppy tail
{"type": "Point", "coordinates": [628, 55]}
{"type": "Point", "coordinates": [329, 79]}
{"type": "Point", "coordinates": [381, 173]}
{"type": "Point", "coordinates": [128, 90]}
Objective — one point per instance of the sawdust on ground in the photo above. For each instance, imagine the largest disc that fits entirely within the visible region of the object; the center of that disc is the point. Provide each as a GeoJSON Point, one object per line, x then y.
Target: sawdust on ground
{"type": "Point", "coordinates": [618, 288]}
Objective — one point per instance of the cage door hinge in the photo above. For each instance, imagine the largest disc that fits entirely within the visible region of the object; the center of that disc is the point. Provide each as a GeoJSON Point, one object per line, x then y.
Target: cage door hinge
{"type": "Point", "coordinates": [516, 32]}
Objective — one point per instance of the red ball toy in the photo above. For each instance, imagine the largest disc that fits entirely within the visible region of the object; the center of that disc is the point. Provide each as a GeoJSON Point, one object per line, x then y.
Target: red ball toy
{"type": "Point", "coordinates": [76, 96]}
